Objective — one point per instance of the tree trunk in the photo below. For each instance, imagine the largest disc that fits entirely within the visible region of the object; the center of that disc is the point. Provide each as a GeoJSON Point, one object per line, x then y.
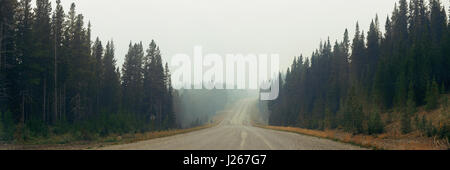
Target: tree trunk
{"type": "Point", "coordinates": [64, 101]}
{"type": "Point", "coordinates": [1, 45]}
{"type": "Point", "coordinates": [55, 107]}
{"type": "Point", "coordinates": [61, 105]}
{"type": "Point", "coordinates": [160, 116]}
{"type": "Point", "coordinates": [22, 118]}
{"type": "Point", "coordinates": [44, 96]}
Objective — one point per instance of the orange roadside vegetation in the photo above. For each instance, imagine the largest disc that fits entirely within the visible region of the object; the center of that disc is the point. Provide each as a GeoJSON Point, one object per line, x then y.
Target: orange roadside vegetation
{"type": "Point", "coordinates": [379, 142]}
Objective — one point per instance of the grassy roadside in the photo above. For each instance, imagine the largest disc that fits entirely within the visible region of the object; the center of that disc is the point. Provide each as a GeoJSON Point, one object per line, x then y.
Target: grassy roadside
{"type": "Point", "coordinates": [379, 142]}
{"type": "Point", "coordinates": [313, 133]}
{"type": "Point", "coordinates": [117, 140]}
{"type": "Point", "coordinates": [62, 143]}
{"type": "Point", "coordinates": [68, 142]}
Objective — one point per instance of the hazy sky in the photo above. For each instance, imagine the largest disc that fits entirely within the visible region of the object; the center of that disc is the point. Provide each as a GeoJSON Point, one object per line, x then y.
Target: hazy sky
{"type": "Point", "coordinates": [286, 27]}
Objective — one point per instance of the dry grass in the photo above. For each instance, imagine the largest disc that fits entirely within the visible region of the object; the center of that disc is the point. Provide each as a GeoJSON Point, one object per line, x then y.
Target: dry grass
{"type": "Point", "coordinates": [381, 142]}
{"type": "Point", "coordinates": [153, 135]}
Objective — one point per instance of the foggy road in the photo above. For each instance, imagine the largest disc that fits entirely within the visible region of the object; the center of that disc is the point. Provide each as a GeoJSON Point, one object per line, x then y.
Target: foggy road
{"type": "Point", "coordinates": [236, 133]}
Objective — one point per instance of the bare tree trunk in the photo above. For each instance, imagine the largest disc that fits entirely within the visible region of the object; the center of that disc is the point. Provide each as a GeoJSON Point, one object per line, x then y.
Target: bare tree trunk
{"type": "Point", "coordinates": [22, 118]}
{"type": "Point", "coordinates": [65, 101]}
{"type": "Point", "coordinates": [160, 116]}
{"type": "Point", "coordinates": [60, 104]}
{"type": "Point", "coordinates": [56, 86]}
{"type": "Point", "coordinates": [1, 45]}
{"type": "Point", "coordinates": [43, 103]}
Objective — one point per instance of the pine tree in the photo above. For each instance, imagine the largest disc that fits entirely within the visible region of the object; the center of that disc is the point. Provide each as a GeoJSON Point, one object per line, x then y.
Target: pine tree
{"type": "Point", "coordinates": [169, 103]}
{"type": "Point", "coordinates": [409, 111]}
{"type": "Point", "coordinates": [373, 53]}
{"type": "Point", "coordinates": [432, 96]}
{"type": "Point", "coordinates": [8, 75]}
{"type": "Point", "coordinates": [154, 82]}
{"type": "Point", "coordinates": [149, 100]}
{"type": "Point", "coordinates": [97, 53]}
{"type": "Point", "coordinates": [25, 71]}
{"type": "Point", "coordinates": [353, 114]}
{"type": "Point", "coordinates": [391, 70]}
{"type": "Point", "coordinates": [57, 38]}
{"type": "Point", "coordinates": [375, 124]}
{"type": "Point", "coordinates": [132, 82]}
{"type": "Point", "coordinates": [357, 57]}
{"type": "Point", "coordinates": [111, 81]}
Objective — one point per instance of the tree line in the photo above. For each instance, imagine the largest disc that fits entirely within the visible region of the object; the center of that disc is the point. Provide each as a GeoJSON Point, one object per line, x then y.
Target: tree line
{"type": "Point", "coordinates": [55, 80]}
{"type": "Point", "coordinates": [350, 84]}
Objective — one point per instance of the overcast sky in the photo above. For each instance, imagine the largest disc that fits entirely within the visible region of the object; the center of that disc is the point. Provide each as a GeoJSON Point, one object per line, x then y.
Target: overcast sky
{"type": "Point", "coordinates": [286, 27]}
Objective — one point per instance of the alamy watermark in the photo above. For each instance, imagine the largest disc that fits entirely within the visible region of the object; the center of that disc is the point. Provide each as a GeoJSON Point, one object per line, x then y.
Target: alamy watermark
{"type": "Point", "coordinates": [213, 71]}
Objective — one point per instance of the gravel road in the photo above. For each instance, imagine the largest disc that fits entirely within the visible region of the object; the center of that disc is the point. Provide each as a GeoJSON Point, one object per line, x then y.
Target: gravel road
{"type": "Point", "coordinates": [236, 133]}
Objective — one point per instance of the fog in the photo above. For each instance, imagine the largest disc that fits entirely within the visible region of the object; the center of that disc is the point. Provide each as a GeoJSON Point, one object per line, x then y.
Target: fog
{"type": "Point", "coordinates": [198, 107]}
{"type": "Point", "coordinates": [286, 27]}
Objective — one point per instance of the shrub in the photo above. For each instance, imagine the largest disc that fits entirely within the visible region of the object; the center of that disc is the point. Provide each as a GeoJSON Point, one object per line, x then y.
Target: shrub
{"type": "Point", "coordinates": [36, 128]}
{"type": "Point", "coordinates": [432, 96]}
{"type": "Point", "coordinates": [375, 124]}
{"type": "Point", "coordinates": [8, 126]}
{"type": "Point", "coordinates": [405, 123]}
{"type": "Point", "coordinates": [444, 132]}
{"type": "Point", "coordinates": [1, 126]}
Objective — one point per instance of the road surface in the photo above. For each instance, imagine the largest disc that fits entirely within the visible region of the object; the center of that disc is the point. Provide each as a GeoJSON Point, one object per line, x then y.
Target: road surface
{"type": "Point", "coordinates": [236, 133]}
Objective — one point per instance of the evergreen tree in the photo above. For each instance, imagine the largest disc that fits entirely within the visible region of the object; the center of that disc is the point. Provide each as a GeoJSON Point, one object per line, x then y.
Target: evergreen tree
{"type": "Point", "coordinates": [132, 83]}
{"type": "Point", "coordinates": [149, 103]}
{"type": "Point", "coordinates": [169, 103]}
{"type": "Point", "coordinates": [57, 38]}
{"type": "Point", "coordinates": [27, 69]}
{"type": "Point", "coordinates": [432, 95]}
{"type": "Point", "coordinates": [8, 74]}
{"type": "Point", "coordinates": [97, 53]}
{"type": "Point", "coordinates": [389, 73]}
{"type": "Point", "coordinates": [375, 124]}
{"type": "Point", "coordinates": [52, 75]}
{"type": "Point", "coordinates": [373, 53]}
{"type": "Point", "coordinates": [353, 114]}
{"type": "Point", "coordinates": [111, 80]}
{"type": "Point", "coordinates": [410, 103]}
{"type": "Point", "coordinates": [357, 58]}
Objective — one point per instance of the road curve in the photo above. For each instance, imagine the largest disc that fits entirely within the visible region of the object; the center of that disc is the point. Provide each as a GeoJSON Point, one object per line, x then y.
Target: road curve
{"type": "Point", "coordinates": [236, 133]}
